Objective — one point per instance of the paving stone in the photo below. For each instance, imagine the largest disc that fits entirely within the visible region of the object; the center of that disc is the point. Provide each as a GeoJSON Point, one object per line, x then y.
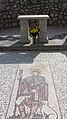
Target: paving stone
{"type": "Point", "coordinates": [7, 77]}
{"type": "Point", "coordinates": [58, 64]}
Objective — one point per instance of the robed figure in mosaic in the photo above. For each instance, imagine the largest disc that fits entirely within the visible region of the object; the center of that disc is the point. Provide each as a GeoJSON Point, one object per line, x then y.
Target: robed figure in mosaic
{"type": "Point", "coordinates": [32, 99]}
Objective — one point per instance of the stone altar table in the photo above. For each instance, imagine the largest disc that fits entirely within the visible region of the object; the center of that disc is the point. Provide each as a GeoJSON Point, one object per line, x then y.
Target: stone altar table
{"type": "Point", "coordinates": [24, 26]}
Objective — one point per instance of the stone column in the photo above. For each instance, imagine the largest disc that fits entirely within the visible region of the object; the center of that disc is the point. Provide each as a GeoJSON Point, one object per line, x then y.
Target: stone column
{"type": "Point", "coordinates": [43, 37]}
{"type": "Point", "coordinates": [24, 31]}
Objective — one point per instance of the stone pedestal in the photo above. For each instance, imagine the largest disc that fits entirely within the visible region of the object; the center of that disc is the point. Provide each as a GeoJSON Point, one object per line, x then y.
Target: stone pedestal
{"type": "Point", "coordinates": [24, 25]}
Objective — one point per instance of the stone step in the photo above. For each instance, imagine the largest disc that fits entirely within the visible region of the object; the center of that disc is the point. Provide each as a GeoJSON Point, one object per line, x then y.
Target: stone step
{"type": "Point", "coordinates": [35, 48]}
{"type": "Point", "coordinates": [16, 45]}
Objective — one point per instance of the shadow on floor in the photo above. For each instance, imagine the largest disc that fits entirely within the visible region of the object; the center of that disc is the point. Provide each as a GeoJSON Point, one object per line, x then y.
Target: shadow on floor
{"type": "Point", "coordinates": [64, 52]}
{"type": "Point", "coordinates": [17, 57]}
{"type": "Point", "coordinates": [60, 36]}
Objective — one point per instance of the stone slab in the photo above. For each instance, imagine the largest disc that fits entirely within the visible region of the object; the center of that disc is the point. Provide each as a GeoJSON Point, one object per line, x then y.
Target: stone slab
{"type": "Point", "coordinates": [33, 16]}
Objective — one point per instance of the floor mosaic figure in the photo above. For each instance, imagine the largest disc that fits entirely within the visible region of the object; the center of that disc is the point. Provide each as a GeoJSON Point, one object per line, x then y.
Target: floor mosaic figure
{"type": "Point", "coordinates": [33, 96]}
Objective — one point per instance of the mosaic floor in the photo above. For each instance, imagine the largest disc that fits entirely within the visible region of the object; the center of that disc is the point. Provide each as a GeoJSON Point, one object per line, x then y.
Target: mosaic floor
{"type": "Point", "coordinates": [33, 85]}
